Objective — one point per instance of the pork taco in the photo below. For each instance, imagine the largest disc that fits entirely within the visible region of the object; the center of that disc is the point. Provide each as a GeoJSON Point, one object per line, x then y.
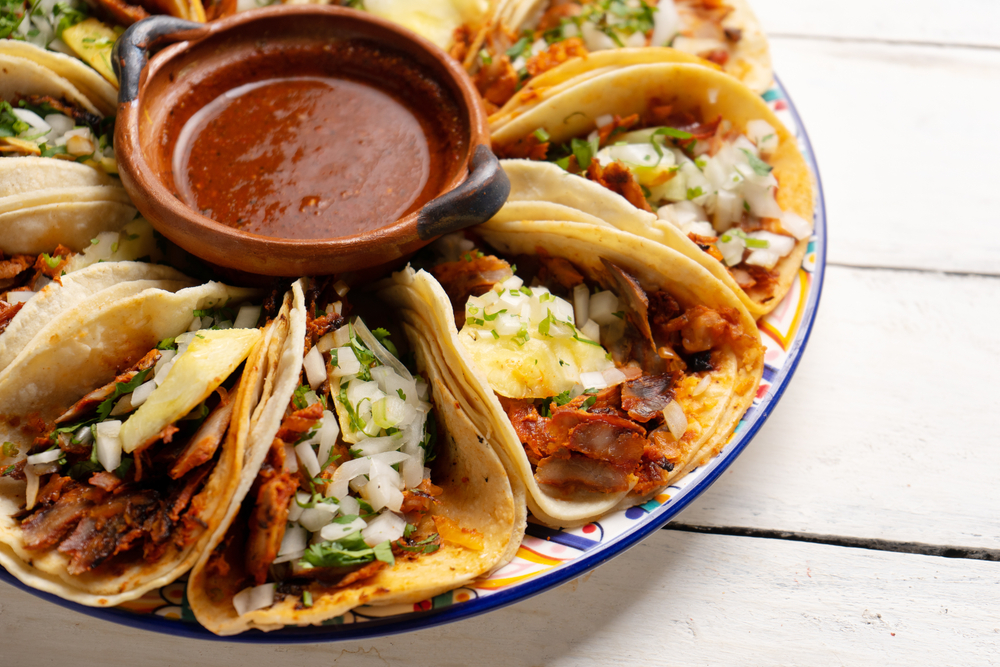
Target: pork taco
{"type": "Point", "coordinates": [124, 435]}
{"type": "Point", "coordinates": [601, 366]}
{"type": "Point", "coordinates": [36, 289]}
{"type": "Point", "coordinates": [532, 37]}
{"type": "Point", "coordinates": [365, 486]}
{"type": "Point", "coordinates": [685, 157]}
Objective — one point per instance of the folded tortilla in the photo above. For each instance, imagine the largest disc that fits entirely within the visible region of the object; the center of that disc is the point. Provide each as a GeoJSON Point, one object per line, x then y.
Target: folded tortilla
{"type": "Point", "coordinates": [699, 91]}
{"type": "Point", "coordinates": [476, 495]}
{"type": "Point", "coordinates": [535, 47]}
{"type": "Point", "coordinates": [88, 348]}
{"type": "Point", "coordinates": [479, 368]}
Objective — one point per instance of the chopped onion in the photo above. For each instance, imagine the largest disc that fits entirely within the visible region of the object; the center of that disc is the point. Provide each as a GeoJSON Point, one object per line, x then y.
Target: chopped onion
{"type": "Point", "coordinates": [31, 492]}
{"type": "Point", "coordinates": [109, 444]}
{"type": "Point", "coordinates": [614, 376]}
{"type": "Point", "coordinates": [142, 393]}
{"type": "Point", "coordinates": [412, 469]}
{"type": "Point", "coordinates": [314, 367]}
{"type": "Point", "coordinates": [341, 288]}
{"type": "Point", "coordinates": [247, 317]}
{"type": "Point", "coordinates": [380, 493]}
{"type": "Point", "coordinates": [388, 411]}
{"type": "Point", "coordinates": [379, 445]}
{"type": "Point", "coordinates": [347, 362]}
{"type": "Point", "coordinates": [702, 386]}
{"type": "Point", "coordinates": [291, 460]}
{"type": "Point", "coordinates": [252, 599]}
{"type": "Point", "coordinates": [593, 380]}
{"type": "Point", "coordinates": [290, 556]}
{"type": "Point", "coordinates": [387, 526]}
{"type": "Point", "coordinates": [314, 518]}
{"type": "Point", "coordinates": [603, 306]}
{"type": "Point", "coordinates": [795, 225]}
{"type": "Point", "coordinates": [342, 337]}
{"type": "Point", "coordinates": [295, 539]}
{"type": "Point", "coordinates": [123, 406]}
{"type": "Point", "coordinates": [45, 457]}
{"type": "Point", "coordinates": [83, 435]}
{"type": "Point", "coordinates": [195, 324]}
{"type": "Point", "coordinates": [591, 330]}
{"type": "Point", "coordinates": [379, 350]}
{"type": "Point", "coordinates": [328, 432]}
{"type": "Point", "coordinates": [326, 343]}
{"type": "Point", "coordinates": [336, 531]}
{"type": "Point", "coordinates": [604, 120]}
{"type": "Point", "coordinates": [307, 457]}
{"type": "Point", "coordinates": [32, 119]}
{"type": "Point", "coordinates": [295, 509]}
{"type": "Point", "coordinates": [19, 296]}
{"type": "Point", "coordinates": [512, 283]}
{"type": "Point", "coordinates": [676, 420]}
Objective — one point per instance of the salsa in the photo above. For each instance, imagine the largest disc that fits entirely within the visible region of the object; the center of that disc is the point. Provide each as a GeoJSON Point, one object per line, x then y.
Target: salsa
{"type": "Point", "coordinates": [319, 154]}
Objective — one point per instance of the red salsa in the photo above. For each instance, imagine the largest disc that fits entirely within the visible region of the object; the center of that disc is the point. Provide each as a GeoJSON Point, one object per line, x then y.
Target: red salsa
{"type": "Point", "coordinates": [317, 155]}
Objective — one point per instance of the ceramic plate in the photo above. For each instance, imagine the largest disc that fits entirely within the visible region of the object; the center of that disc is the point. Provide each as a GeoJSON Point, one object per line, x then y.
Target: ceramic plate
{"type": "Point", "coordinates": [546, 557]}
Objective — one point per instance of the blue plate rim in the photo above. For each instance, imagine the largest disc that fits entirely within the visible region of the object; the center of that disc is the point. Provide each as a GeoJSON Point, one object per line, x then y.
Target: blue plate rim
{"type": "Point", "coordinates": [427, 619]}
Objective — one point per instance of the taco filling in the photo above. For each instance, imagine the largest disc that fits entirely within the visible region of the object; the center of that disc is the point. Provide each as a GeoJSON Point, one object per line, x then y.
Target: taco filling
{"type": "Point", "coordinates": [565, 29]}
{"type": "Point", "coordinates": [23, 276]}
{"type": "Point", "coordinates": [593, 374]}
{"type": "Point", "coordinates": [344, 491]}
{"type": "Point", "coordinates": [119, 476]}
{"type": "Point", "coordinates": [44, 126]}
{"type": "Point", "coordinates": [708, 179]}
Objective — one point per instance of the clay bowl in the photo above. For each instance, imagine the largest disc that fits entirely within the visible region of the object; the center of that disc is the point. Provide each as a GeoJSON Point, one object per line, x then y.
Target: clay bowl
{"type": "Point", "coordinates": [204, 61]}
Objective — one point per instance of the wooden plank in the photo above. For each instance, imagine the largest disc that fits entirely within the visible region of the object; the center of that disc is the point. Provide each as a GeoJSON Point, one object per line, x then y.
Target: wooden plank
{"type": "Point", "coordinates": [902, 140]}
{"type": "Point", "coordinates": [675, 599]}
{"type": "Point", "coordinates": [887, 430]}
{"type": "Point", "coordinates": [972, 22]}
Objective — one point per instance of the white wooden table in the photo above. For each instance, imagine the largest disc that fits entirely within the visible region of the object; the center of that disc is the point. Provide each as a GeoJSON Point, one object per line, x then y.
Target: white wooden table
{"type": "Point", "coordinates": [860, 526]}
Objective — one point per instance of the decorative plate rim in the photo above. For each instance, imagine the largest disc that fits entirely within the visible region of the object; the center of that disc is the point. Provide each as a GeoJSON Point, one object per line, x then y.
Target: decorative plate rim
{"type": "Point", "coordinates": [417, 620]}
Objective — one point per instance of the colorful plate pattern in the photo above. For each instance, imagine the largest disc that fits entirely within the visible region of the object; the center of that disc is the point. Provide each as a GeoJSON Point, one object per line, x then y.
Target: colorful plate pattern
{"type": "Point", "coordinates": [546, 557]}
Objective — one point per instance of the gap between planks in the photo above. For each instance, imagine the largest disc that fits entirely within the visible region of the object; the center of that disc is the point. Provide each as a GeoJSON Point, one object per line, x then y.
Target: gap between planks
{"type": "Point", "coordinates": [914, 269]}
{"type": "Point", "coordinates": [874, 544]}
{"type": "Point", "coordinates": [883, 41]}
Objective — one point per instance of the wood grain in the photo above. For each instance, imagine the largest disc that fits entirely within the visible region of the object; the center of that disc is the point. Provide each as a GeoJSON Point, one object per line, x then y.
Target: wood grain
{"type": "Point", "coordinates": [971, 22]}
{"type": "Point", "coordinates": [907, 167]}
{"type": "Point", "coordinates": [888, 427]}
{"type": "Point", "coordinates": [676, 599]}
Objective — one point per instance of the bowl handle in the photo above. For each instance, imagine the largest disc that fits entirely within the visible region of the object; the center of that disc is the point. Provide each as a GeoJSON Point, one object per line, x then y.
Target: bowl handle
{"type": "Point", "coordinates": [131, 51]}
{"type": "Point", "coordinates": [476, 200]}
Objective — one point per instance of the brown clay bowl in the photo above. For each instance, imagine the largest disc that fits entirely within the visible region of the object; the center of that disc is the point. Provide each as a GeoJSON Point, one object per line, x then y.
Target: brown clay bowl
{"type": "Point", "coordinates": [205, 60]}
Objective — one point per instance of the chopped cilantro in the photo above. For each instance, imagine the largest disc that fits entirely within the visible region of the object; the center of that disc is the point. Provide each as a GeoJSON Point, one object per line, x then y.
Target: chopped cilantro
{"type": "Point", "coordinates": [694, 193]}
{"type": "Point", "coordinates": [589, 402]}
{"type": "Point", "coordinates": [425, 545]}
{"type": "Point", "coordinates": [299, 397]}
{"type": "Point", "coordinates": [541, 135]}
{"type": "Point", "coordinates": [485, 56]}
{"type": "Point", "coordinates": [10, 449]}
{"type": "Point", "coordinates": [383, 552]}
{"type": "Point", "coordinates": [307, 599]}
{"type": "Point", "coordinates": [759, 167]}
{"type": "Point", "coordinates": [383, 337]}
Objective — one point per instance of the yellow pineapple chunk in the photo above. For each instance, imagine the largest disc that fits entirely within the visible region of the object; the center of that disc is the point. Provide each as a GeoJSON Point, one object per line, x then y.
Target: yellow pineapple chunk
{"type": "Point", "coordinates": [92, 41]}
{"type": "Point", "coordinates": [210, 358]}
{"type": "Point", "coordinates": [470, 538]}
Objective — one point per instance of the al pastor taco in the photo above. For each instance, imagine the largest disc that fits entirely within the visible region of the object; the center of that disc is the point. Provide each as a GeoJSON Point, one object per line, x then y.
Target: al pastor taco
{"type": "Point", "coordinates": [685, 157]}
{"type": "Point", "coordinates": [600, 365]}
{"type": "Point", "coordinates": [124, 435]}
{"type": "Point", "coordinates": [35, 290]}
{"type": "Point", "coordinates": [531, 38]}
{"type": "Point", "coordinates": [365, 485]}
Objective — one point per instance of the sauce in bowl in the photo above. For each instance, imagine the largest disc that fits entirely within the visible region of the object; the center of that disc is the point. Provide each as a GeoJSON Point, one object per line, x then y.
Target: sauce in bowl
{"type": "Point", "coordinates": [327, 152]}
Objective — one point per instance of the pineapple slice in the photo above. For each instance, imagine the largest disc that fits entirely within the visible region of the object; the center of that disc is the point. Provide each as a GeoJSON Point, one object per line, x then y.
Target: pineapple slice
{"type": "Point", "coordinates": [93, 41]}
{"type": "Point", "coordinates": [210, 358]}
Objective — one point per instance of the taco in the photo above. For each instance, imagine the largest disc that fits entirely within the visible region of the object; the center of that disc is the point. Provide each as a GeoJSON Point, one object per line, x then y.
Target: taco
{"type": "Point", "coordinates": [686, 157]}
{"type": "Point", "coordinates": [362, 487]}
{"type": "Point", "coordinates": [34, 290]}
{"type": "Point", "coordinates": [452, 25]}
{"type": "Point", "coordinates": [601, 366]}
{"type": "Point", "coordinates": [124, 435]}
{"type": "Point", "coordinates": [532, 37]}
